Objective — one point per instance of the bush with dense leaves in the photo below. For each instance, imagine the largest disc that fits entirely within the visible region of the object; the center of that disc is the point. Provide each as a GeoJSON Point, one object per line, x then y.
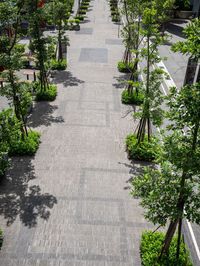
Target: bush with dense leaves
{"type": "Point", "coordinates": [9, 127]}
{"type": "Point", "coordinates": [143, 151]}
{"type": "Point", "coordinates": [79, 17]}
{"type": "Point", "coordinates": [82, 12]}
{"type": "Point", "coordinates": [12, 141]}
{"type": "Point", "coordinates": [150, 247]}
{"type": "Point", "coordinates": [46, 95]}
{"type": "Point", "coordinates": [58, 65]}
{"type": "Point", "coordinates": [26, 146]}
{"type": "Point", "coordinates": [125, 67]}
{"type": "Point", "coordinates": [4, 161]}
{"type": "Point", "coordinates": [132, 97]}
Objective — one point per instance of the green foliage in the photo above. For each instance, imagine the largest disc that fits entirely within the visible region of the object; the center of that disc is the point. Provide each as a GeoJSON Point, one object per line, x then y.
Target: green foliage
{"type": "Point", "coordinates": [23, 101]}
{"type": "Point", "coordinates": [143, 151]}
{"type": "Point", "coordinates": [4, 161]}
{"type": "Point", "coordinates": [125, 67]}
{"type": "Point", "coordinates": [182, 4]}
{"type": "Point", "coordinates": [153, 98]}
{"type": "Point", "coordinates": [132, 97]}
{"type": "Point", "coordinates": [79, 17]}
{"type": "Point", "coordinates": [150, 248]}
{"type": "Point", "coordinates": [171, 192]}
{"type": "Point", "coordinates": [26, 146]}
{"type": "Point", "coordinates": [84, 7]}
{"type": "Point", "coordinates": [191, 46]}
{"type": "Point", "coordinates": [6, 131]}
{"type": "Point", "coordinates": [12, 141]}
{"type": "Point", "coordinates": [81, 12]}
{"type": "Point", "coordinates": [116, 18]}
{"type": "Point", "coordinates": [1, 237]}
{"type": "Point", "coordinates": [47, 95]}
{"type": "Point", "coordinates": [58, 65]}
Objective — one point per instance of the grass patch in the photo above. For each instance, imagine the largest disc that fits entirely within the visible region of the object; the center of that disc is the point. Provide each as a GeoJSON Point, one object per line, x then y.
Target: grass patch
{"type": "Point", "coordinates": [144, 151]}
{"type": "Point", "coordinates": [47, 95]}
{"type": "Point", "coordinates": [28, 146]}
{"type": "Point", "coordinates": [150, 248]}
{"type": "Point", "coordinates": [132, 97]}
{"type": "Point", "coordinates": [125, 67]}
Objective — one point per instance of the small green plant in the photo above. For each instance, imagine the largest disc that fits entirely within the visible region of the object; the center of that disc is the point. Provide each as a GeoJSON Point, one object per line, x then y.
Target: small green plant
{"type": "Point", "coordinates": [47, 95]}
{"type": "Point", "coordinates": [58, 65]}
{"type": "Point", "coordinates": [79, 17]}
{"type": "Point", "coordinates": [26, 146]}
{"type": "Point", "coordinates": [1, 238]}
{"type": "Point", "coordinates": [4, 161]}
{"type": "Point", "coordinates": [83, 7]}
{"type": "Point", "coordinates": [125, 67]}
{"type": "Point", "coordinates": [132, 97]}
{"type": "Point", "coordinates": [143, 151]}
{"type": "Point", "coordinates": [150, 247]}
{"type": "Point", "coordinates": [82, 12]}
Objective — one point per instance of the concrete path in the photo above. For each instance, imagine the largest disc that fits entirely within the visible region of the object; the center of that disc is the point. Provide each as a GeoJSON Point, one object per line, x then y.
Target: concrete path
{"type": "Point", "coordinates": [70, 205]}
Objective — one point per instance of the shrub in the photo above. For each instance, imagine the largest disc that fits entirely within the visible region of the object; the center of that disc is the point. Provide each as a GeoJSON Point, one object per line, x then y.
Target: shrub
{"type": "Point", "coordinates": [79, 17]}
{"type": "Point", "coordinates": [4, 162]}
{"type": "Point", "coordinates": [28, 146]}
{"type": "Point", "coordinates": [116, 18]}
{"type": "Point", "coordinates": [143, 151]}
{"type": "Point", "coordinates": [132, 97]}
{"type": "Point", "coordinates": [46, 95]}
{"type": "Point", "coordinates": [82, 12]}
{"type": "Point", "coordinates": [150, 248]}
{"type": "Point", "coordinates": [114, 12]}
{"type": "Point", "coordinates": [84, 8]}
{"type": "Point", "coordinates": [85, 5]}
{"type": "Point", "coordinates": [125, 67]}
{"type": "Point", "coordinates": [1, 238]}
{"type": "Point", "coordinates": [58, 65]}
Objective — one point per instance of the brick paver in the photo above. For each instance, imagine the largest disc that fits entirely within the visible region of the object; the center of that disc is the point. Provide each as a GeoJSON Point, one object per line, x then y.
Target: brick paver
{"type": "Point", "coordinates": [70, 204]}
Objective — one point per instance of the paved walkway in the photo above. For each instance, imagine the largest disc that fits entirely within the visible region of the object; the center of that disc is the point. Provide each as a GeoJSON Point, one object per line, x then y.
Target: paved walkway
{"type": "Point", "coordinates": [70, 205]}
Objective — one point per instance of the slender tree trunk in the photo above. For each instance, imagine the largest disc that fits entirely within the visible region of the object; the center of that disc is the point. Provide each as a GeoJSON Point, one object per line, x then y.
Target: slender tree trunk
{"type": "Point", "coordinates": [145, 115]}
{"type": "Point", "coordinates": [178, 240]}
{"type": "Point", "coordinates": [60, 54]}
{"type": "Point", "coordinates": [168, 238]}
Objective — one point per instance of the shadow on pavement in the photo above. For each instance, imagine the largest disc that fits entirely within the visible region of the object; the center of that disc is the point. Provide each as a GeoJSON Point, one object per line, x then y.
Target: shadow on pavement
{"type": "Point", "coordinates": [175, 29]}
{"type": "Point", "coordinates": [135, 169]}
{"type": "Point", "coordinates": [43, 115]}
{"type": "Point", "coordinates": [66, 78]}
{"type": "Point", "coordinates": [19, 199]}
{"type": "Point", "coordinates": [121, 81]}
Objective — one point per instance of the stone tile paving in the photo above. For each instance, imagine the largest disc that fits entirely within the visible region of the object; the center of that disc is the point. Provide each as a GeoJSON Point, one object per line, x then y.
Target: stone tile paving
{"type": "Point", "coordinates": [70, 204]}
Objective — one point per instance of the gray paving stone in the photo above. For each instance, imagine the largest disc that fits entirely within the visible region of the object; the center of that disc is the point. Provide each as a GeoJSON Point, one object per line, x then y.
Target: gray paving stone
{"type": "Point", "coordinates": [85, 31]}
{"type": "Point", "coordinates": [113, 41]}
{"type": "Point", "coordinates": [94, 55]}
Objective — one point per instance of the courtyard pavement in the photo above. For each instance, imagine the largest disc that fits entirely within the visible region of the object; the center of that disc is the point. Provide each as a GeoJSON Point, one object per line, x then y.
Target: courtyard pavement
{"type": "Point", "coordinates": [71, 203]}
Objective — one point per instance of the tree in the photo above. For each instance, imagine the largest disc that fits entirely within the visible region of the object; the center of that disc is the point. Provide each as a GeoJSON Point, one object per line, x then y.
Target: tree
{"type": "Point", "coordinates": [171, 192]}
{"type": "Point", "coordinates": [10, 58]}
{"type": "Point", "coordinates": [191, 45]}
{"type": "Point", "coordinates": [132, 11]}
{"type": "Point", "coordinates": [150, 111]}
{"type": "Point", "coordinates": [39, 43]}
{"type": "Point", "coordinates": [163, 7]}
{"type": "Point", "coordinates": [59, 11]}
